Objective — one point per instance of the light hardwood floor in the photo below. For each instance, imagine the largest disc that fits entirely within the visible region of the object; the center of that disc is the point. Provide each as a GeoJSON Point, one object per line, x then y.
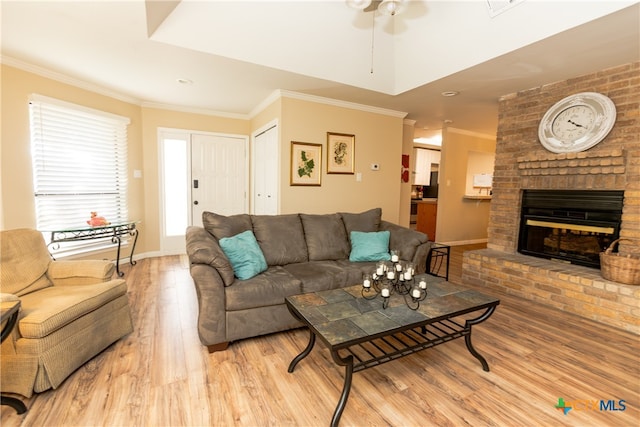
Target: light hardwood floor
{"type": "Point", "coordinates": [161, 375]}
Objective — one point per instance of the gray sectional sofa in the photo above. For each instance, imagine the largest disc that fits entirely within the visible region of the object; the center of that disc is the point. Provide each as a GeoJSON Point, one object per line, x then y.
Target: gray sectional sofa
{"type": "Point", "coordinates": [303, 253]}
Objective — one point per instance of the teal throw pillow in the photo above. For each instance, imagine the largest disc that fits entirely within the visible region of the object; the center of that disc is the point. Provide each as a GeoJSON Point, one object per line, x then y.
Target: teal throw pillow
{"type": "Point", "coordinates": [244, 254]}
{"type": "Point", "coordinates": [369, 246]}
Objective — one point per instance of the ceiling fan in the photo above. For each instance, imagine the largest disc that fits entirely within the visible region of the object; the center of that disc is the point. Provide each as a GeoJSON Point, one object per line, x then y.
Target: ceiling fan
{"type": "Point", "coordinates": [386, 7]}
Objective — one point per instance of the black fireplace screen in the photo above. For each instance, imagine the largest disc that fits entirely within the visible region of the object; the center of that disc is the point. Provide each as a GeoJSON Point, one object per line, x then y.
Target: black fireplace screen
{"type": "Point", "coordinates": [569, 226]}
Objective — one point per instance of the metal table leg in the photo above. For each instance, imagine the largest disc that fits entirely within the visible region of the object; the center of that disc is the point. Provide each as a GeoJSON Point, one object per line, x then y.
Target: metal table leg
{"type": "Point", "coordinates": [305, 352]}
{"type": "Point", "coordinates": [347, 362]}
{"type": "Point", "coordinates": [467, 337]}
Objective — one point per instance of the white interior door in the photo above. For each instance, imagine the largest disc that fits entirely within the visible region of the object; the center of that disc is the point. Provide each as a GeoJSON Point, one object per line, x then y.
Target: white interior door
{"type": "Point", "coordinates": [265, 171]}
{"type": "Point", "coordinates": [218, 175]}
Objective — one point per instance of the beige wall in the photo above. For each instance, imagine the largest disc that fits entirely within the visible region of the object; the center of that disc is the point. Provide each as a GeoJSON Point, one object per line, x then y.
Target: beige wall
{"type": "Point", "coordinates": [459, 220]}
{"type": "Point", "coordinates": [17, 180]}
{"type": "Point", "coordinates": [378, 139]}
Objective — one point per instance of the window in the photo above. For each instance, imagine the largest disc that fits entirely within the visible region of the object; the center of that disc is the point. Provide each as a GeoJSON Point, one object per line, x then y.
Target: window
{"type": "Point", "coordinates": [79, 160]}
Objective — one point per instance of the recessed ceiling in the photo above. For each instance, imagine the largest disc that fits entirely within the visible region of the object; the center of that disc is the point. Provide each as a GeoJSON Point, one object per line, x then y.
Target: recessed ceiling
{"type": "Point", "coordinates": [237, 53]}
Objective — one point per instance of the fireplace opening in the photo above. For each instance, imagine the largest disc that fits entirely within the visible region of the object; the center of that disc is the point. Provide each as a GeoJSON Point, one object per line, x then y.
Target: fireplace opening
{"type": "Point", "coordinates": [571, 226]}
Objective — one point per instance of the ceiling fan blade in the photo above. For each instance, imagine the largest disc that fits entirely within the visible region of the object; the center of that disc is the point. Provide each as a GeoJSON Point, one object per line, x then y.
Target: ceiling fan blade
{"type": "Point", "coordinates": [373, 6]}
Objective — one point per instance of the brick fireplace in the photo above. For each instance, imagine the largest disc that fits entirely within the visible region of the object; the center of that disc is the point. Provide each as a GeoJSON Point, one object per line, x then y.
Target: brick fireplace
{"type": "Point", "coordinates": [522, 163]}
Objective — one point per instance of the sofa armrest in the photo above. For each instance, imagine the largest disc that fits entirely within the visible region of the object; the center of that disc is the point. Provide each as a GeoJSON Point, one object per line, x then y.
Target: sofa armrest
{"type": "Point", "coordinates": [412, 245]}
{"type": "Point", "coordinates": [80, 272]}
{"type": "Point", "coordinates": [209, 268]}
{"type": "Point", "coordinates": [210, 290]}
{"type": "Point", "coordinates": [203, 248]}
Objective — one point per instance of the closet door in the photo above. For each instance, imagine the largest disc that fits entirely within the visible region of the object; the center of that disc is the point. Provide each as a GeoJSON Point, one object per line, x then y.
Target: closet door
{"type": "Point", "coordinates": [265, 172]}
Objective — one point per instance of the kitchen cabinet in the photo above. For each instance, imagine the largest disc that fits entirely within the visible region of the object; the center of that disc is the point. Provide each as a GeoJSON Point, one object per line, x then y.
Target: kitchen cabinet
{"type": "Point", "coordinates": [422, 169]}
{"type": "Point", "coordinates": [426, 219]}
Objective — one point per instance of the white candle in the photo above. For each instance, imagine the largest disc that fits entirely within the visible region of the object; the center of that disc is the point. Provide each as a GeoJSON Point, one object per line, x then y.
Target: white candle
{"type": "Point", "coordinates": [391, 274]}
{"type": "Point", "coordinates": [366, 283]}
{"type": "Point", "coordinates": [399, 267]}
{"type": "Point", "coordinates": [416, 293]}
{"type": "Point", "coordinates": [379, 270]}
{"type": "Point", "coordinates": [407, 275]}
{"type": "Point", "coordinates": [384, 292]}
{"type": "Point", "coordinates": [375, 276]}
{"type": "Point", "coordinates": [423, 284]}
{"type": "Point", "coordinates": [394, 258]}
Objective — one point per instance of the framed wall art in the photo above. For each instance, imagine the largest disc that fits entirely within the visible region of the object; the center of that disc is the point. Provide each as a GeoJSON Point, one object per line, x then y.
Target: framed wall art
{"type": "Point", "coordinates": [341, 153]}
{"type": "Point", "coordinates": [306, 163]}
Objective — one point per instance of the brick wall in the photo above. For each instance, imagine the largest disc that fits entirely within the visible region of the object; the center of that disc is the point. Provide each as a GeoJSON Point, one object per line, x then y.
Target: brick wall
{"type": "Point", "coordinates": [523, 163]}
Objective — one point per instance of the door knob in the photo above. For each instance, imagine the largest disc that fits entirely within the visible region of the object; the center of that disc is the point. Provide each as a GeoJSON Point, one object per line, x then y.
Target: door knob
{"type": "Point", "coordinates": [195, 202]}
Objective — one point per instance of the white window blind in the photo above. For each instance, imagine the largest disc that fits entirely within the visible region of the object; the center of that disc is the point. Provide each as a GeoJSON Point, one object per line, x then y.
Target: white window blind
{"type": "Point", "coordinates": [79, 164]}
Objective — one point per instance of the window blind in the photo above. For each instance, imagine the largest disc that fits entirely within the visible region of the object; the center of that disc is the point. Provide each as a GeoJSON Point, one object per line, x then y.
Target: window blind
{"type": "Point", "coordinates": [79, 160]}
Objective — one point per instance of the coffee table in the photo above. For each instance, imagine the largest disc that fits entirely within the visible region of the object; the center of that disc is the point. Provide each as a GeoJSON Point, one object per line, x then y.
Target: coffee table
{"type": "Point", "coordinates": [360, 334]}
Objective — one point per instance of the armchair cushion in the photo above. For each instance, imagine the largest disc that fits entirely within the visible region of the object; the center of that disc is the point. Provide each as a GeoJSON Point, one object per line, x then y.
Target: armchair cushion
{"type": "Point", "coordinates": [58, 306]}
{"type": "Point", "coordinates": [80, 272]}
{"type": "Point", "coordinates": [24, 259]}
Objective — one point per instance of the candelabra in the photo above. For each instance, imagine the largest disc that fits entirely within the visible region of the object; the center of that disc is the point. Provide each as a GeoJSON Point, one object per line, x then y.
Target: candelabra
{"type": "Point", "coordinates": [394, 277]}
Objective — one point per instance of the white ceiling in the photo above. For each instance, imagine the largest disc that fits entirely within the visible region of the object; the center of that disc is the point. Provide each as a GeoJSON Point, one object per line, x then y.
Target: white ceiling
{"type": "Point", "coordinates": [238, 53]}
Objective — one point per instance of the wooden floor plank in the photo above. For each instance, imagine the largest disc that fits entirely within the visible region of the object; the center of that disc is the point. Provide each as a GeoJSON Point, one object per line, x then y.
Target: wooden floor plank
{"type": "Point", "coordinates": [161, 374]}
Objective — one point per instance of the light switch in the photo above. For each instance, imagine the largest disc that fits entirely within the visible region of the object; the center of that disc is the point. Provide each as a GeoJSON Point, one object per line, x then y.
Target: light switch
{"type": "Point", "coordinates": [137, 173]}
{"type": "Point", "coordinates": [359, 176]}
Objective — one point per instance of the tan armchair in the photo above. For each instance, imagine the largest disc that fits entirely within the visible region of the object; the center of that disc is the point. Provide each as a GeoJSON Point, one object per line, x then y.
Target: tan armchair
{"type": "Point", "coordinates": [71, 311]}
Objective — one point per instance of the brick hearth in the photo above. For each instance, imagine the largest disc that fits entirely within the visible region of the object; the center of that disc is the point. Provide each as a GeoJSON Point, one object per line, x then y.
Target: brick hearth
{"type": "Point", "coordinates": [522, 163]}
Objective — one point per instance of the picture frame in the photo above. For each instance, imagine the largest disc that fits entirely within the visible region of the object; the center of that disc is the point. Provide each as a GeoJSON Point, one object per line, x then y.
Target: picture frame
{"type": "Point", "coordinates": [306, 163]}
{"type": "Point", "coordinates": [341, 153]}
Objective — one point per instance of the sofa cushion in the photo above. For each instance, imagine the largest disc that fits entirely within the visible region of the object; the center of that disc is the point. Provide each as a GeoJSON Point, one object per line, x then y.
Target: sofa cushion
{"type": "Point", "coordinates": [221, 226]}
{"type": "Point", "coordinates": [325, 236]}
{"type": "Point", "coordinates": [365, 221]}
{"type": "Point", "coordinates": [354, 271]}
{"type": "Point", "coordinates": [266, 289]}
{"type": "Point", "coordinates": [318, 275]}
{"type": "Point", "coordinates": [372, 246]}
{"type": "Point", "coordinates": [245, 254]}
{"type": "Point", "coordinates": [281, 238]}
{"type": "Point", "coordinates": [50, 309]}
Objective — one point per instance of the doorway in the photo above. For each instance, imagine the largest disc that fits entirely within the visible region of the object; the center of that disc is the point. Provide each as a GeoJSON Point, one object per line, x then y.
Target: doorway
{"type": "Point", "coordinates": [199, 172]}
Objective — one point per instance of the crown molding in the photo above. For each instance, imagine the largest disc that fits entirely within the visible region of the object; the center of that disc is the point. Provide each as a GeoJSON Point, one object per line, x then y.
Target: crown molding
{"type": "Point", "coordinates": [63, 78]}
{"type": "Point", "coordinates": [193, 110]}
{"type": "Point", "coordinates": [282, 93]}
{"type": "Point", "coordinates": [275, 95]}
